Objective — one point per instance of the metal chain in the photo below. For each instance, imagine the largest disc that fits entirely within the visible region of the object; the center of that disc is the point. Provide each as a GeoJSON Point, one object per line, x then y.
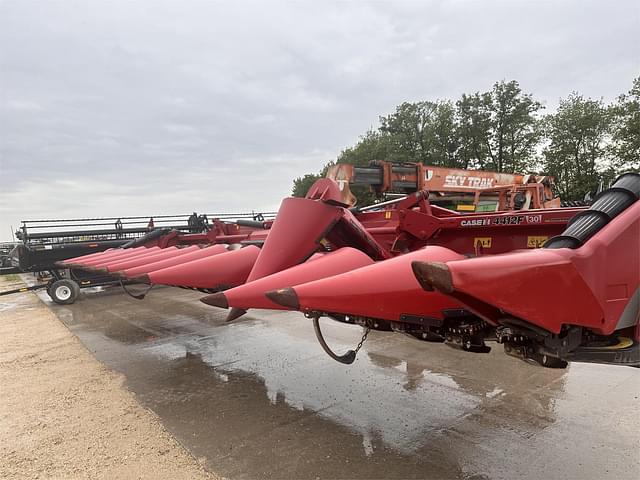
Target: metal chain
{"type": "Point", "coordinates": [364, 339]}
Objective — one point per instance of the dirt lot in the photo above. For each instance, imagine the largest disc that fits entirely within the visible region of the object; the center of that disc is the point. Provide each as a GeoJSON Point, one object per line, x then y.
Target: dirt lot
{"type": "Point", "coordinates": [65, 415]}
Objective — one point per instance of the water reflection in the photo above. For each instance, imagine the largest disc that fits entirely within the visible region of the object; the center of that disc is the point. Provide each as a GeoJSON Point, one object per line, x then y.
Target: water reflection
{"type": "Point", "coordinates": [400, 403]}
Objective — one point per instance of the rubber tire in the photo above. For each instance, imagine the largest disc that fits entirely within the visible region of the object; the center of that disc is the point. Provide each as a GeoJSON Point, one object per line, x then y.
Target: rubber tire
{"type": "Point", "coordinates": [76, 285]}
{"type": "Point", "coordinates": [59, 286]}
{"type": "Point", "coordinates": [49, 284]}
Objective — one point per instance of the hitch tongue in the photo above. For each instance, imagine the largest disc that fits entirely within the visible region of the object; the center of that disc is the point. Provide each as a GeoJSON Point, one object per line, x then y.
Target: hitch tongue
{"type": "Point", "coordinates": [346, 358]}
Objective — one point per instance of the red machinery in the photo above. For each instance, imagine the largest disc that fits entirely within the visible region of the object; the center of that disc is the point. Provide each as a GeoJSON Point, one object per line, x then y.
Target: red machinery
{"type": "Point", "coordinates": [320, 223]}
{"type": "Point", "coordinates": [588, 279]}
{"type": "Point", "coordinates": [459, 188]}
{"type": "Point", "coordinates": [355, 265]}
{"type": "Point", "coordinates": [575, 299]}
{"type": "Point", "coordinates": [381, 231]}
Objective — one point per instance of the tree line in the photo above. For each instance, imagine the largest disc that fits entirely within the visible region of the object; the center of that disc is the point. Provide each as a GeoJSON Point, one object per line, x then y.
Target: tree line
{"type": "Point", "coordinates": [584, 144]}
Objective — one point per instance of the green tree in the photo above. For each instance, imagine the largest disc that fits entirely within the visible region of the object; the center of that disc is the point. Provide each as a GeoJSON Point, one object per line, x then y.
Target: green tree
{"type": "Point", "coordinates": [625, 145]}
{"type": "Point", "coordinates": [446, 140]}
{"type": "Point", "coordinates": [515, 131]}
{"type": "Point", "coordinates": [409, 131]}
{"type": "Point", "coordinates": [474, 130]}
{"type": "Point", "coordinates": [424, 132]}
{"type": "Point", "coordinates": [498, 130]}
{"type": "Point", "coordinates": [373, 145]}
{"type": "Point", "coordinates": [575, 155]}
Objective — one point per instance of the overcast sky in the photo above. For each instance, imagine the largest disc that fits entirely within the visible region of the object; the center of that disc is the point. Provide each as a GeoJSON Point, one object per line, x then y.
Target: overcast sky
{"type": "Point", "coordinates": [148, 107]}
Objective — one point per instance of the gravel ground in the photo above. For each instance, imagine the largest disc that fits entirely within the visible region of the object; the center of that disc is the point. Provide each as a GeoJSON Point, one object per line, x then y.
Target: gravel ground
{"type": "Point", "coordinates": [64, 415]}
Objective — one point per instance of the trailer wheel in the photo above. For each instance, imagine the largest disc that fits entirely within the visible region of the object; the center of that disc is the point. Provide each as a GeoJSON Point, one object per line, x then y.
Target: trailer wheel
{"type": "Point", "coordinates": [64, 292]}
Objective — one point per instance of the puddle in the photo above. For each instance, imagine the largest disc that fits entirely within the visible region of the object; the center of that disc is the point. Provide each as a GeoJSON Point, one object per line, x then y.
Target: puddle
{"type": "Point", "coordinates": [259, 398]}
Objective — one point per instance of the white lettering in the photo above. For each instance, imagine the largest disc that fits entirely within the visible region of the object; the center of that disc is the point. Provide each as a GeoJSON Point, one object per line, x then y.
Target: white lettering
{"type": "Point", "coordinates": [469, 182]}
{"type": "Point", "coordinates": [478, 222]}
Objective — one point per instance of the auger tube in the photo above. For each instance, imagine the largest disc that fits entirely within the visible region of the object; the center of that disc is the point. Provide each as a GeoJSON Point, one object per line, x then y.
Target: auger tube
{"type": "Point", "coordinates": [624, 192]}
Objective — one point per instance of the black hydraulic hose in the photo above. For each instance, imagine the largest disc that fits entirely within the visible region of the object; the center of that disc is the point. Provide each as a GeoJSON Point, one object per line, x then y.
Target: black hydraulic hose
{"type": "Point", "coordinates": [252, 224]}
{"type": "Point", "coordinates": [346, 358]}
{"type": "Point", "coordinates": [137, 296]}
{"type": "Point", "coordinates": [157, 233]}
{"type": "Point", "coordinates": [624, 192]}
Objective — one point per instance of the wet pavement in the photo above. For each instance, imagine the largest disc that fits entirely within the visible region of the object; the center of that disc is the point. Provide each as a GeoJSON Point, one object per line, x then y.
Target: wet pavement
{"type": "Point", "coordinates": [258, 398]}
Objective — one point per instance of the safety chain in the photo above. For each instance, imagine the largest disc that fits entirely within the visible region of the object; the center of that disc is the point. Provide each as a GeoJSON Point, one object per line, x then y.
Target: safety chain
{"type": "Point", "coordinates": [364, 339]}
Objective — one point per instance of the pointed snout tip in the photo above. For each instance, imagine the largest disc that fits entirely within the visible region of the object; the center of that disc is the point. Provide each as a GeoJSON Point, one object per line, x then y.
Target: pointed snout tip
{"type": "Point", "coordinates": [234, 314]}
{"type": "Point", "coordinates": [433, 275]}
{"type": "Point", "coordinates": [286, 297]}
{"type": "Point", "coordinates": [216, 300]}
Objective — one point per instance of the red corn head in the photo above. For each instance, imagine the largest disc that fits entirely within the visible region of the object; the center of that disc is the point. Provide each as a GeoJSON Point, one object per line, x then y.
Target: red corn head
{"type": "Point", "coordinates": [215, 272]}
{"type": "Point", "coordinates": [89, 256]}
{"type": "Point", "coordinates": [252, 294]}
{"type": "Point", "coordinates": [94, 258]}
{"type": "Point", "coordinates": [169, 252]}
{"type": "Point", "coordinates": [126, 253]}
{"type": "Point", "coordinates": [170, 262]}
{"type": "Point", "coordinates": [295, 235]}
{"type": "Point", "coordinates": [140, 257]}
{"type": "Point", "coordinates": [100, 263]}
{"type": "Point", "coordinates": [387, 290]}
{"type": "Point", "coordinates": [315, 256]}
{"type": "Point", "coordinates": [594, 286]}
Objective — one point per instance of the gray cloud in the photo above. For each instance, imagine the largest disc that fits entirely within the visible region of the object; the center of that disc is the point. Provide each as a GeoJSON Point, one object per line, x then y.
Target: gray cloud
{"type": "Point", "coordinates": [117, 108]}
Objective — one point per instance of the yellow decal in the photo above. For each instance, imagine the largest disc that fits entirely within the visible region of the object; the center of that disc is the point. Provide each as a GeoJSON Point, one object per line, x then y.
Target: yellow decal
{"type": "Point", "coordinates": [466, 208]}
{"type": "Point", "coordinates": [536, 242]}
{"type": "Point", "coordinates": [623, 342]}
{"type": "Point", "coordinates": [484, 242]}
